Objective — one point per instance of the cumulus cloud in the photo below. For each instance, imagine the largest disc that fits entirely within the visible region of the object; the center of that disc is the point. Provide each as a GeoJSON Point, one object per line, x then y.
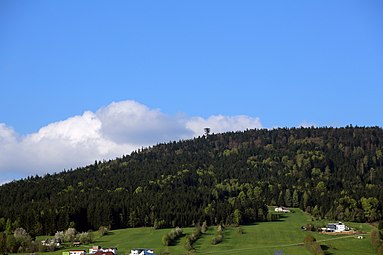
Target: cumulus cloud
{"type": "Point", "coordinates": [131, 122]}
{"type": "Point", "coordinates": [112, 131]}
{"type": "Point", "coordinates": [220, 123]}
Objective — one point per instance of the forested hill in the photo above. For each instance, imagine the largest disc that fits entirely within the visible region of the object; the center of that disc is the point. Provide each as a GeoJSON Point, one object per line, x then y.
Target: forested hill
{"type": "Point", "coordinates": [225, 178]}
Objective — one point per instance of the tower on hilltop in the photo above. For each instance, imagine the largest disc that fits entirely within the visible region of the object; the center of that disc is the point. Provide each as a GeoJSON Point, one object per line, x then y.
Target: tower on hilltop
{"type": "Point", "coordinates": [207, 131]}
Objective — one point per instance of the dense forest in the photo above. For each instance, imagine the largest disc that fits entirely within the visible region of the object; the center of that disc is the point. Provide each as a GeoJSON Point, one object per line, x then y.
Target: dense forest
{"type": "Point", "coordinates": [229, 178]}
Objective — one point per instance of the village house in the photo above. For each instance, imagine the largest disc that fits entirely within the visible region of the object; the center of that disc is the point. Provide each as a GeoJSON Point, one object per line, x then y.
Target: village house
{"type": "Point", "coordinates": [76, 252]}
{"type": "Point", "coordinates": [141, 251]}
{"type": "Point", "coordinates": [94, 249]}
{"type": "Point", "coordinates": [336, 227]}
{"type": "Point", "coordinates": [99, 251]}
{"type": "Point", "coordinates": [281, 209]}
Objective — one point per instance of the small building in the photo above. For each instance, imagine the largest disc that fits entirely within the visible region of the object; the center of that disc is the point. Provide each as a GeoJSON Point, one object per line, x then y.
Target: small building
{"type": "Point", "coordinates": [336, 227]}
{"type": "Point", "coordinates": [99, 251]}
{"type": "Point", "coordinates": [141, 251]}
{"type": "Point", "coordinates": [94, 249]}
{"type": "Point", "coordinates": [281, 209]}
{"type": "Point", "coordinates": [112, 250]}
{"type": "Point", "coordinates": [77, 252]}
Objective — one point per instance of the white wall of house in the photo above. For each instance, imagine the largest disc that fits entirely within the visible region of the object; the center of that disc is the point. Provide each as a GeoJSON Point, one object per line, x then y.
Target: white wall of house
{"type": "Point", "coordinates": [77, 252]}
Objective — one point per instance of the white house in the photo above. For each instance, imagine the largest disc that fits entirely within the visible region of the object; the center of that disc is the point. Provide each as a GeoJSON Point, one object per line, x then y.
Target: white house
{"type": "Point", "coordinates": [282, 209]}
{"type": "Point", "coordinates": [336, 227]}
{"type": "Point", "coordinates": [96, 249]}
{"type": "Point", "coordinates": [79, 252]}
{"type": "Point", "coordinates": [141, 251]}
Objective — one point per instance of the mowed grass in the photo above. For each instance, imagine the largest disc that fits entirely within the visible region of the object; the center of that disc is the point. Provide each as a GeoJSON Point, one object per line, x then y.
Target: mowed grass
{"type": "Point", "coordinates": [262, 238]}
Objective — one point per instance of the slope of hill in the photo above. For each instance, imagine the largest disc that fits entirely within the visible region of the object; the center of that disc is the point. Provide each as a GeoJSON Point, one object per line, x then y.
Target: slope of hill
{"type": "Point", "coordinates": [225, 178]}
{"type": "Point", "coordinates": [261, 238]}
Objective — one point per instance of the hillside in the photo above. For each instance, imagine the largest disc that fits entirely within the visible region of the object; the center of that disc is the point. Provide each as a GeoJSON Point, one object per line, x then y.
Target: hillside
{"type": "Point", "coordinates": [261, 238]}
{"type": "Point", "coordinates": [225, 178]}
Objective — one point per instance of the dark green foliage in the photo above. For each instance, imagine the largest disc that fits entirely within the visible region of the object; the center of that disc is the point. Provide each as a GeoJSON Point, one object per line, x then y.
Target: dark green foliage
{"type": "Point", "coordinates": [273, 216]}
{"type": "Point", "coordinates": [224, 179]}
{"type": "Point", "coordinates": [380, 225]}
{"type": "Point", "coordinates": [311, 227]}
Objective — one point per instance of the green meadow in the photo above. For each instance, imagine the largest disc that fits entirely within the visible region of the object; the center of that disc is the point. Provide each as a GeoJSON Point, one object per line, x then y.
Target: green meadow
{"type": "Point", "coordinates": [263, 238]}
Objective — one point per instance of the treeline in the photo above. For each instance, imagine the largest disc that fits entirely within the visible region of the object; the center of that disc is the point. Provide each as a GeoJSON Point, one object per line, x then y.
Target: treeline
{"type": "Point", "coordinates": [223, 179]}
{"type": "Point", "coordinates": [20, 241]}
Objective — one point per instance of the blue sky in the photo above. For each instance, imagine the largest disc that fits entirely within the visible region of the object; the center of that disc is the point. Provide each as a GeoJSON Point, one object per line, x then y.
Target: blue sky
{"type": "Point", "coordinates": [231, 64]}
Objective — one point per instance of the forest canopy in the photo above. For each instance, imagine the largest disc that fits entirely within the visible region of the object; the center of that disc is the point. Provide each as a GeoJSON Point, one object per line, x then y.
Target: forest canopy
{"type": "Point", "coordinates": [228, 178]}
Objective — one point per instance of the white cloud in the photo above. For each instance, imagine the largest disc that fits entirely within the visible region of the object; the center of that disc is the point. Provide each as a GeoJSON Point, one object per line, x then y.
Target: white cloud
{"type": "Point", "coordinates": [307, 124]}
{"type": "Point", "coordinates": [131, 122]}
{"type": "Point", "coordinates": [220, 123]}
{"type": "Point", "coordinates": [110, 132]}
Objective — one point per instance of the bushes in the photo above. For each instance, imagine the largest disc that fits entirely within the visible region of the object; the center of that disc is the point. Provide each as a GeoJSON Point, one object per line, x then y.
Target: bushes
{"type": "Point", "coordinates": [312, 246]}
{"type": "Point", "coordinates": [172, 236]}
{"type": "Point", "coordinates": [190, 239]}
{"type": "Point", "coordinates": [103, 230]}
{"type": "Point", "coordinates": [311, 227]}
{"type": "Point", "coordinates": [70, 234]}
{"type": "Point", "coordinates": [158, 224]}
{"type": "Point", "coordinates": [219, 236]}
{"type": "Point", "coordinates": [85, 237]}
{"type": "Point", "coordinates": [204, 227]}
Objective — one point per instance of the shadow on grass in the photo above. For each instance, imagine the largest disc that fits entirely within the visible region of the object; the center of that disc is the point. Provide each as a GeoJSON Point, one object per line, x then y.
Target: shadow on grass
{"type": "Point", "coordinates": [326, 249]}
{"type": "Point", "coordinates": [282, 217]}
{"type": "Point", "coordinates": [177, 241]}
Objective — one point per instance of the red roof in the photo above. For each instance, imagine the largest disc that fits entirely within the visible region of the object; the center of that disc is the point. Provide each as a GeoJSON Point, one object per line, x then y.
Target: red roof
{"type": "Point", "coordinates": [104, 253]}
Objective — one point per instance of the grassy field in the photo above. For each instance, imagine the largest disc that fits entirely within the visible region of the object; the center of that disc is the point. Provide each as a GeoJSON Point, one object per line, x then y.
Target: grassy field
{"type": "Point", "coordinates": [263, 238]}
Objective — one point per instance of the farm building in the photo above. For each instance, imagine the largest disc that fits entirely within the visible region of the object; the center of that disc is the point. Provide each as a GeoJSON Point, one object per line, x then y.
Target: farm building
{"type": "Point", "coordinates": [336, 227]}
{"type": "Point", "coordinates": [141, 251]}
{"type": "Point", "coordinates": [77, 252]}
{"type": "Point", "coordinates": [94, 249]}
{"type": "Point", "coordinates": [281, 209]}
{"type": "Point", "coordinates": [98, 250]}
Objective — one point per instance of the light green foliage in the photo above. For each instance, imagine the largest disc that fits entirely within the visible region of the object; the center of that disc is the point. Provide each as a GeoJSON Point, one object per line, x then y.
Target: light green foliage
{"type": "Point", "coordinates": [138, 190]}
{"type": "Point", "coordinates": [315, 172]}
{"type": "Point", "coordinates": [70, 234]}
{"type": "Point", "coordinates": [102, 230]}
{"type": "Point", "coordinates": [237, 217]}
{"type": "Point", "coordinates": [321, 187]}
{"type": "Point", "coordinates": [370, 206]}
{"type": "Point", "coordinates": [85, 237]}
